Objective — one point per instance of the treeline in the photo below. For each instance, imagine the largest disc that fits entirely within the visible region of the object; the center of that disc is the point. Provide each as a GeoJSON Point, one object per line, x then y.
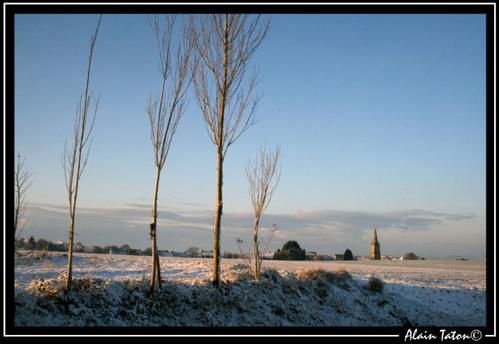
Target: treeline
{"type": "Point", "coordinates": [46, 245]}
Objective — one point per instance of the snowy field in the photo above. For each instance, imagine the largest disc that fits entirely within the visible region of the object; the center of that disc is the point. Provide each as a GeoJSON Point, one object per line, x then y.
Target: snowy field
{"type": "Point", "coordinates": [111, 290]}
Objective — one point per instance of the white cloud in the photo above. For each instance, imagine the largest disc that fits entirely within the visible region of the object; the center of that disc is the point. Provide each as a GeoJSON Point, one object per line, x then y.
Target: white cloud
{"type": "Point", "coordinates": [323, 229]}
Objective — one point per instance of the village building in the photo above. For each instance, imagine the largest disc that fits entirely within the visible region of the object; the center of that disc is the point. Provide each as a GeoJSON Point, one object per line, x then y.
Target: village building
{"type": "Point", "coordinates": [268, 255]}
{"type": "Point", "coordinates": [310, 254]}
{"type": "Point", "coordinates": [375, 250]}
{"type": "Point", "coordinates": [165, 253]}
{"type": "Point", "coordinates": [206, 254]}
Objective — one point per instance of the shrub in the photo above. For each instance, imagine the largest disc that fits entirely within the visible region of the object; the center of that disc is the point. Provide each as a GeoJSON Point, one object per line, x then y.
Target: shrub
{"type": "Point", "coordinates": [42, 244]}
{"type": "Point", "coordinates": [192, 252]}
{"type": "Point", "coordinates": [375, 284]}
{"type": "Point", "coordinates": [348, 255]}
{"type": "Point", "coordinates": [290, 245]}
{"type": "Point", "coordinates": [383, 302]}
{"type": "Point", "coordinates": [31, 243]}
{"type": "Point", "coordinates": [410, 256]}
{"type": "Point", "coordinates": [291, 250]}
{"type": "Point", "coordinates": [343, 274]}
{"type": "Point", "coordinates": [314, 274]}
{"type": "Point", "coordinates": [339, 278]}
{"type": "Point", "coordinates": [271, 273]}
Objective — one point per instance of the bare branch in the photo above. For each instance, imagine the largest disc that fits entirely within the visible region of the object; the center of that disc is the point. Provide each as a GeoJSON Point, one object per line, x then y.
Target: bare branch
{"type": "Point", "coordinates": [22, 182]}
{"type": "Point", "coordinates": [75, 160]}
{"type": "Point", "coordinates": [166, 110]}
{"type": "Point", "coordinates": [224, 44]}
{"type": "Point", "coordinates": [263, 176]}
{"type": "Point", "coordinates": [246, 258]}
{"type": "Point", "coordinates": [96, 106]}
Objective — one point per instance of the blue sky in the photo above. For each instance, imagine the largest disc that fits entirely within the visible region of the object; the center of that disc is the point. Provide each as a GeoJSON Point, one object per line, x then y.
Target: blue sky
{"type": "Point", "coordinates": [380, 118]}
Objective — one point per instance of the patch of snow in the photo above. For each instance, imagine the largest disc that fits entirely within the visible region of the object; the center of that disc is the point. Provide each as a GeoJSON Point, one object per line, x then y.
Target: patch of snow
{"type": "Point", "coordinates": [112, 290]}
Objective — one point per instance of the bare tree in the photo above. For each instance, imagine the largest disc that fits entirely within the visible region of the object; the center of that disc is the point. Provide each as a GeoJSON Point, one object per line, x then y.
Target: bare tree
{"type": "Point", "coordinates": [224, 44]}
{"type": "Point", "coordinates": [22, 184]}
{"type": "Point", "coordinates": [263, 177]}
{"type": "Point", "coordinates": [74, 159]}
{"type": "Point", "coordinates": [263, 247]}
{"type": "Point", "coordinates": [165, 112]}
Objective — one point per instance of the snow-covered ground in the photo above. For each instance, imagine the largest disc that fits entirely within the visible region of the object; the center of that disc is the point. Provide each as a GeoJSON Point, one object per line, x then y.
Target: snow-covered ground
{"type": "Point", "coordinates": [112, 290]}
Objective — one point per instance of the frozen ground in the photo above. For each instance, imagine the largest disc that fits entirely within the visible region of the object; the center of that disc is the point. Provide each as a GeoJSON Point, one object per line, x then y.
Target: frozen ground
{"type": "Point", "coordinates": [112, 290]}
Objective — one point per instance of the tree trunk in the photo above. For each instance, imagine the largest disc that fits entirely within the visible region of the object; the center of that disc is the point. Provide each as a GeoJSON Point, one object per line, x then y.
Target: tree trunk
{"type": "Point", "coordinates": [70, 256]}
{"type": "Point", "coordinates": [217, 225]}
{"type": "Point", "coordinates": [219, 202]}
{"type": "Point", "coordinates": [152, 229]}
{"type": "Point", "coordinates": [18, 201]}
{"type": "Point", "coordinates": [158, 268]}
{"type": "Point", "coordinates": [256, 253]}
{"type": "Point", "coordinates": [153, 232]}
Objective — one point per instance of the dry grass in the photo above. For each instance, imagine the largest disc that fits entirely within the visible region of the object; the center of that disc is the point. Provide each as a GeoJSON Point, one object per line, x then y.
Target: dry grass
{"type": "Point", "coordinates": [340, 278]}
{"type": "Point", "coordinates": [321, 274]}
{"type": "Point", "coordinates": [48, 289]}
{"type": "Point", "coordinates": [280, 298]}
{"type": "Point", "coordinates": [343, 274]}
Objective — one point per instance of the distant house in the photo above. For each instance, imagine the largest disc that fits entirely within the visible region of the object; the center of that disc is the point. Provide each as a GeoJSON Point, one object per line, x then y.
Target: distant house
{"type": "Point", "coordinates": [310, 254]}
{"type": "Point", "coordinates": [339, 257]}
{"type": "Point", "coordinates": [206, 254]}
{"type": "Point", "coordinates": [268, 255]}
{"type": "Point", "coordinates": [165, 253]}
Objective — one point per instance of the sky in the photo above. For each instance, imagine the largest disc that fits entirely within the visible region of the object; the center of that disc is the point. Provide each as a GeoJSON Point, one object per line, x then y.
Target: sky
{"type": "Point", "coordinates": [380, 120]}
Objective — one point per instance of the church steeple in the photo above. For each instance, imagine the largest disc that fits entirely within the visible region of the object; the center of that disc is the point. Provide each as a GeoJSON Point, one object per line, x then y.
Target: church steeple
{"type": "Point", "coordinates": [375, 250]}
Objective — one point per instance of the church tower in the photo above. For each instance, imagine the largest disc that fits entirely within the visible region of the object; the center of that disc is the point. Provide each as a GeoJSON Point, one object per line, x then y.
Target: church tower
{"type": "Point", "coordinates": [375, 252]}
